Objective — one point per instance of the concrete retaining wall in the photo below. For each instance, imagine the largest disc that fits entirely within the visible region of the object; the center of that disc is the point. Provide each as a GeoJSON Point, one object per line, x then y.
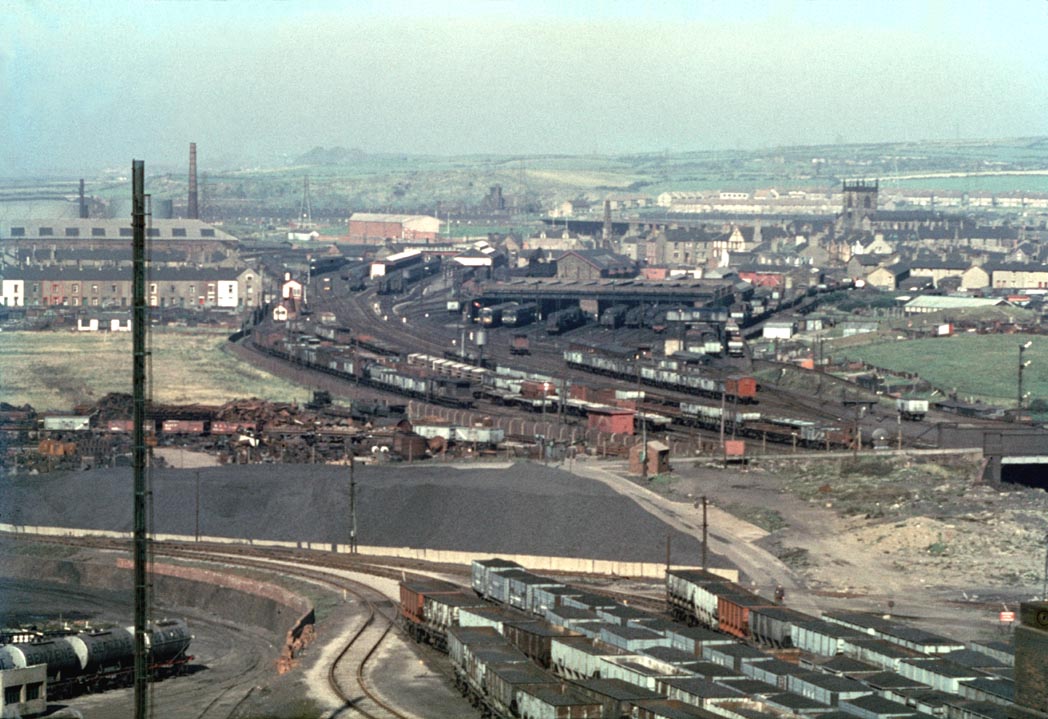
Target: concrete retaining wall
{"type": "Point", "coordinates": [577, 565]}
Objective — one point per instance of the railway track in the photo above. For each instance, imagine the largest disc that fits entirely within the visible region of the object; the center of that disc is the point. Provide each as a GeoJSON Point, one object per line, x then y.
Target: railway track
{"type": "Point", "coordinates": [348, 675]}
{"type": "Point", "coordinates": [418, 323]}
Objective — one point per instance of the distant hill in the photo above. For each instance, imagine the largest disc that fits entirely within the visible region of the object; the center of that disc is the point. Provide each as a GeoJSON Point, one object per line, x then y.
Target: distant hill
{"type": "Point", "coordinates": [330, 156]}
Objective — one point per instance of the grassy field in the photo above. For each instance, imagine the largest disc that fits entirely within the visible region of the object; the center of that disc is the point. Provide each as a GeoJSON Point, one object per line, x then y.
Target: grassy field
{"type": "Point", "coordinates": [52, 371]}
{"type": "Point", "coordinates": [978, 366]}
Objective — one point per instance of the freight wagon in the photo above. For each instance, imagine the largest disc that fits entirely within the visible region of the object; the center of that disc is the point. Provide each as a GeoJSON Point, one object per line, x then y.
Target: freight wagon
{"type": "Point", "coordinates": [912, 409]}
{"type": "Point", "coordinates": [667, 375]}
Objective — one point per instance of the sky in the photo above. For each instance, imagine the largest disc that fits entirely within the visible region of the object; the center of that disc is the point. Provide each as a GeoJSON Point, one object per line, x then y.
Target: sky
{"type": "Point", "coordinates": [89, 85]}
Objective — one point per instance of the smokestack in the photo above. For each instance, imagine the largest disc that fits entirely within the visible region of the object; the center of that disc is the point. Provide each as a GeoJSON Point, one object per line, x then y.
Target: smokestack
{"type": "Point", "coordinates": [83, 203]}
{"type": "Point", "coordinates": [193, 211]}
{"type": "Point", "coordinates": [607, 222]}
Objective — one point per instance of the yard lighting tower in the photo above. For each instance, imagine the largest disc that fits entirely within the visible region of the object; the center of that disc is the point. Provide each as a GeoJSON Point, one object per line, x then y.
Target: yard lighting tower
{"type": "Point", "coordinates": [1022, 365]}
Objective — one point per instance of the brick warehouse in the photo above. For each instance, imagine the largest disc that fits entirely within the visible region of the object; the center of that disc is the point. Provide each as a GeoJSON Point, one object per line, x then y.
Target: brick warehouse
{"type": "Point", "coordinates": [371, 228]}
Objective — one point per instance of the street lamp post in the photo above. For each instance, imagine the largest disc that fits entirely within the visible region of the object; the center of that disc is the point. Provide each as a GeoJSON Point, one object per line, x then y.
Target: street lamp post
{"type": "Point", "coordinates": [1022, 365]}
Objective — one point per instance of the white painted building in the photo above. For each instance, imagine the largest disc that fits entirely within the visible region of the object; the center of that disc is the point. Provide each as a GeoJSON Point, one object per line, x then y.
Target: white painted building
{"type": "Point", "coordinates": [12, 293]}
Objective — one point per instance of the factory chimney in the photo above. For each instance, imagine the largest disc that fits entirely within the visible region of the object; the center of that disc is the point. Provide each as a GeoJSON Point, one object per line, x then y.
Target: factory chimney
{"type": "Point", "coordinates": [193, 211]}
{"type": "Point", "coordinates": [83, 203]}
{"type": "Point", "coordinates": [607, 223]}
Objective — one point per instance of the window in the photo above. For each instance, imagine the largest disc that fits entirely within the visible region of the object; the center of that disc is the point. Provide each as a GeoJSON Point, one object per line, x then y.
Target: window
{"type": "Point", "coordinates": [47, 231]}
{"type": "Point", "coordinates": [32, 691]}
{"type": "Point", "coordinates": [94, 301]}
{"type": "Point", "coordinates": [36, 287]}
{"type": "Point", "coordinates": [173, 289]}
{"type": "Point", "coordinates": [126, 232]}
{"type": "Point", "coordinates": [152, 288]}
{"type": "Point", "coordinates": [153, 231]}
{"type": "Point", "coordinates": [94, 288]}
{"type": "Point", "coordinates": [55, 286]}
{"type": "Point", "coordinates": [113, 288]}
{"type": "Point", "coordinates": [72, 232]}
{"type": "Point", "coordinates": [13, 695]}
{"type": "Point", "coordinates": [17, 232]}
{"type": "Point", "coordinates": [76, 288]}
{"type": "Point", "coordinates": [178, 232]}
{"type": "Point", "coordinates": [76, 302]}
{"type": "Point", "coordinates": [98, 232]}
{"type": "Point", "coordinates": [207, 232]}
{"type": "Point", "coordinates": [211, 288]}
{"type": "Point", "coordinates": [192, 289]}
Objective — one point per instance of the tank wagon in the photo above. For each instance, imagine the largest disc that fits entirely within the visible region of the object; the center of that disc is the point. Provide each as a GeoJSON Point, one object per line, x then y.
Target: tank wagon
{"type": "Point", "coordinates": [102, 659]}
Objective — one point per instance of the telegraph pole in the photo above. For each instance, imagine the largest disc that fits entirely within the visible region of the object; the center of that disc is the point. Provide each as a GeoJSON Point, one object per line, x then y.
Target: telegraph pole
{"type": "Point", "coordinates": [352, 507]}
{"type": "Point", "coordinates": [705, 535]}
{"type": "Point", "coordinates": [138, 297]}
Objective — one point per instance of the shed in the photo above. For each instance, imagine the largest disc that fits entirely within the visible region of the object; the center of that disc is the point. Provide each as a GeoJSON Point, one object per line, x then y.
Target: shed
{"type": "Point", "coordinates": [610, 419]}
{"type": "Point", "coordinates": [779, 329]}
{"type": "Point", "coordinates": [24, 690]}
{"type": "Point", "coordinates": [658, 459]}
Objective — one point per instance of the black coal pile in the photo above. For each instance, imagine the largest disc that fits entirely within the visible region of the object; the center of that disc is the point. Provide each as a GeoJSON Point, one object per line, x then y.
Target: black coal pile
{"type": "Point", "coordinates": [523, 509]}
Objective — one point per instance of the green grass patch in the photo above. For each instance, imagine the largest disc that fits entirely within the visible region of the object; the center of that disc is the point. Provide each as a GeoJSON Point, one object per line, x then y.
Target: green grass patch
{"type": "Point", "coordinates": [975, 366]}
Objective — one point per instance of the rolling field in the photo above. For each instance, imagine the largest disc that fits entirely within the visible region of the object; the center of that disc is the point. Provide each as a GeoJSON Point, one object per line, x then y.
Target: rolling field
{"type": "Point", "coordinates": [978, 366]}
{"type": "Point", "coordinates": [52, 371]}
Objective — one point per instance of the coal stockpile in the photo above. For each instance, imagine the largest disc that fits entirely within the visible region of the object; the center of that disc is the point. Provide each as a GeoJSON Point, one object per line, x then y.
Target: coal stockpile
{"type": "Point", "coordinates": [524, 508]}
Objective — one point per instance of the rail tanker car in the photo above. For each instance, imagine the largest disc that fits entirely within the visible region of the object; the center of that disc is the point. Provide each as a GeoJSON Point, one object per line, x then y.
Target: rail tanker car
{"type": "Point", "coordinates": [102, 659]}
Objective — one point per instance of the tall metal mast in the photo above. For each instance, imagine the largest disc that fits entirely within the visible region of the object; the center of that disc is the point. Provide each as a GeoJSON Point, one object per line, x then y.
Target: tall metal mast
{"type": "Point", "coordinates": [138, 329]}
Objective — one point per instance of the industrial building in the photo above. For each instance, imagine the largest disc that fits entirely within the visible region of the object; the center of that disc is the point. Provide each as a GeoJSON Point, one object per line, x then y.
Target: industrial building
{"type": "Point", "coordinates": [196, 240]}
{"type": "Point", "coordinates": [371, 228]}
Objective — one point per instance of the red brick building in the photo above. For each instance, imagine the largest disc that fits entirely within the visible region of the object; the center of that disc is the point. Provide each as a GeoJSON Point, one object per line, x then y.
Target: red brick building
{"type": "Point", "coordinates": [371, 228]}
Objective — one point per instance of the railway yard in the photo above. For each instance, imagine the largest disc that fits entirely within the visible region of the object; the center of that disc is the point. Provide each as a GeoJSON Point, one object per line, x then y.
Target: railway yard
{"type": "Point", "coordinates": [816, 521]}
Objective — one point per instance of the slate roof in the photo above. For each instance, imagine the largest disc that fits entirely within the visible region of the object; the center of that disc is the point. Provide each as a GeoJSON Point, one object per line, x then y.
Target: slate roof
{"type": "Point", "coordinates": [75, 229]}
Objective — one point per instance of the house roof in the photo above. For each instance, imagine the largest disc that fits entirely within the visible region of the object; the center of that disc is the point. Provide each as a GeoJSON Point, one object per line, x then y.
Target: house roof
{"type": "Point", "coordinates": [122, 274]}
{"type": "Point", "coordinates": [600, 259]}
{"type": "Point", "coordinates": [78, 230]}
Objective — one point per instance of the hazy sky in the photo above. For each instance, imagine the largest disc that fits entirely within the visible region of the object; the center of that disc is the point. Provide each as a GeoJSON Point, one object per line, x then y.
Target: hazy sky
{"type": "Point", "coordinates": [85, 85]}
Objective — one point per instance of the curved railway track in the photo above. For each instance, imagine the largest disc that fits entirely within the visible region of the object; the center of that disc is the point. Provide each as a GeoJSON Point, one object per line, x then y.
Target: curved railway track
{"type": "Point", "coordinates": [348, 674]}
